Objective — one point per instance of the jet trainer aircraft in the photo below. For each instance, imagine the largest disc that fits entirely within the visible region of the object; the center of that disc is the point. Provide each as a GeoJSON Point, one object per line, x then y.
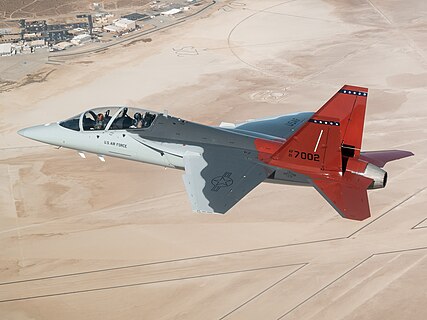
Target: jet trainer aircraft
{"type": "Point", "coordinates": [223, 164]}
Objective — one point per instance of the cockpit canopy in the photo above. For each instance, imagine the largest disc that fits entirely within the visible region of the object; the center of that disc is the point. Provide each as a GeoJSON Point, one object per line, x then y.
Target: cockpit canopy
{"type": "Point", "coordinates": [110, 118]}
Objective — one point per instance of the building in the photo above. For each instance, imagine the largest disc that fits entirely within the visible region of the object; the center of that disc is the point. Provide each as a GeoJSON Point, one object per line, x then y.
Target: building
{"type": "Point", "coordinates": [112, 28]}
{"type": "Point", "coordinates": [61, 46]}
{"type": "Point", "coordinates": [10, 38]}
{"type": "Point", "coordinates": [5, 49]}
{"type": "Point", "coordinates": [136, 16]}
{"type": "Point", "coordinates": [126, 24]}
{"type": "Point", "coordinates": [81, 39]}
{"type": "Point", "coordinates": [5, 31]}
{"type": "Point", "coordinates": [102, 17]}
{"type": "Point", "coordinates": [37, 43]}
{"type": "Point", "coordinates": [77, 31]}
{"type": "Point", "coordinates": [171, 12]}
{"type": "Point", "coordinates": [32, 36]}
{"type": "Point", "coordinates": [121, 25]}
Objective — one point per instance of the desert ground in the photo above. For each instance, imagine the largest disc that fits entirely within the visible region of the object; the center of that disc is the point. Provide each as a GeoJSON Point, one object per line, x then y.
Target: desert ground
{"type": "Point", "coordinates": [117, 240]}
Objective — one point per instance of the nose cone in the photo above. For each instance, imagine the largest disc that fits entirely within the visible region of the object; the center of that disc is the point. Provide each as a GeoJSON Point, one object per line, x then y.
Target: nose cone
{"type": "Point", "coordinates": [24, 132]}
{"type": "Point", "coordinates": [43, 133]}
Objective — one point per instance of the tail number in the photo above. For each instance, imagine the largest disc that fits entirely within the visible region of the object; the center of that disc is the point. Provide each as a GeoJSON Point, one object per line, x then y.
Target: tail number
{"type": "Point", "coordinates": [304, 155]}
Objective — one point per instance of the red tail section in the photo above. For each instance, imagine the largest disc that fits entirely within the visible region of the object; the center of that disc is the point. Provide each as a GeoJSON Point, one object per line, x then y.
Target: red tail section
{"type": "Point", "coordinates": [330, 137]}
{"type": "Point", "coordinates": [325, 144]}
{"type": "Point", "coordinates": [348, 105]}
{"type": "Point", "coordinates": [327, 150]}
{"type": "Point", "coordinates": [314, 148]}
{"type": "Point", "coordinates": [349, 197]}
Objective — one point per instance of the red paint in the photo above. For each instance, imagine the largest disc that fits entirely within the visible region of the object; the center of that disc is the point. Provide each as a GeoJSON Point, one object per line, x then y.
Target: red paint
{"type": "Point", "coordinates": [349, 195]}
{"type": "Point", "coordinates": [315, 150]}
{"type": "Point", "coordinates": [356, 165]}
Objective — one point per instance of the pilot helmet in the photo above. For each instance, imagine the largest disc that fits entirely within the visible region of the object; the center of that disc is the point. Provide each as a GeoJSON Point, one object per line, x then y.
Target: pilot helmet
{"type": "Point", "coordinates": [137, 116]}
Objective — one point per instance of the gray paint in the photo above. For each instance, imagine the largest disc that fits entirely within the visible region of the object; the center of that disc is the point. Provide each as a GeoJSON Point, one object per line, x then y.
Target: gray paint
{"type": "Point", "coordinates": [280, 127]}
{"type": "Point", "coordinates": [176, 130]}
{"type": "Point", "coordinates": [221, 164]}
{"type": "Point", "coordinates": [228, 175]}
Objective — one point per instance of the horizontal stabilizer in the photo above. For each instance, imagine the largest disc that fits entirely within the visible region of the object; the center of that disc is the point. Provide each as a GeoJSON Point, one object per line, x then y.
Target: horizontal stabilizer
{"type": "Point", "coordinates": [380, 158]}
{"type": "Point", "coordinates": [349, 197]}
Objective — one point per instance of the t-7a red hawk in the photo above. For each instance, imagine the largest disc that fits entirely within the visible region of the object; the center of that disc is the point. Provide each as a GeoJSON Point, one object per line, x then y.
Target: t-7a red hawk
{"type": "Point", "coordinates": [223, 164]}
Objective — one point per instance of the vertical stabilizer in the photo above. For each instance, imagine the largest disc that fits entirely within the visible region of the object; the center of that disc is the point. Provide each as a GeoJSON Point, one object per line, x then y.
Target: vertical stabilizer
{"type": "Point", "coordinates": [349, 106]}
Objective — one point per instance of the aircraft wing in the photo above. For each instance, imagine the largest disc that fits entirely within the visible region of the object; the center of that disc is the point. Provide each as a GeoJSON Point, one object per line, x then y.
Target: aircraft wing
{"type": "Point", "coordinates": [218, 178]}
{"type": "Point", "coordinates": [281, 126]}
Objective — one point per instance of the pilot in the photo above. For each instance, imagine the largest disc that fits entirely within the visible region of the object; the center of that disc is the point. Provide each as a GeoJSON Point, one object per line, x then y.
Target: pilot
{"type": "Point", "coordinates": [137, 121]}
{"type": "Point", "coordinates": [99, 123]}
{"type": "Point", "coordinates": [148, 119]}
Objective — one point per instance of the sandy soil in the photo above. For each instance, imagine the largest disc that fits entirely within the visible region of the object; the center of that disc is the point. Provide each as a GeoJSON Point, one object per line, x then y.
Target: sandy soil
{"type": "Point", "coordinates": [81, 238]}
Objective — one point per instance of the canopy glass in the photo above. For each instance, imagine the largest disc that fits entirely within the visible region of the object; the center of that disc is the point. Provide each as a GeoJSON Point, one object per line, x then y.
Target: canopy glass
{"type": "Point", "coordinates": [110, 118]}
